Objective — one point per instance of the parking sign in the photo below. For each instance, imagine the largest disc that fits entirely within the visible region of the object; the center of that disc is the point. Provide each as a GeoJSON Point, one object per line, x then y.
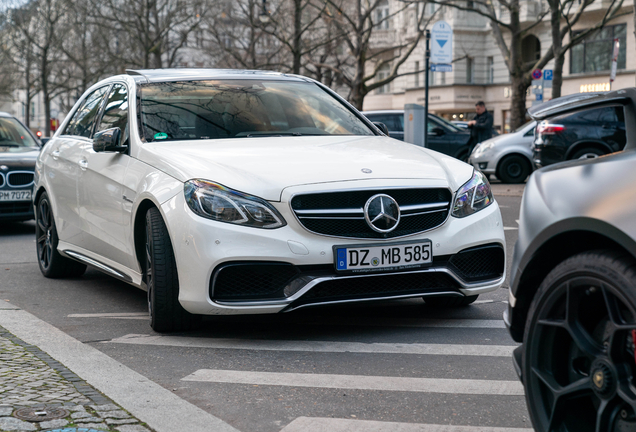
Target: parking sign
{"type": "Point", "coordinates": [441, 43]}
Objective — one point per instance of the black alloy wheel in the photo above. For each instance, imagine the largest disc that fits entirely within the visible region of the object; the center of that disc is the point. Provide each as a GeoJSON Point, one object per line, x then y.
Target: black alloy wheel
{"type": "Point", "coordinates": [52, 264]}
{"type": "Point", "coordinates": [588, 153]}
{"type": "Point", "coordinates": [513, 169]}
{"type": "Point", "coordinates": [579, 363]}
{"type": "Point", "coordinates": [162, 280]}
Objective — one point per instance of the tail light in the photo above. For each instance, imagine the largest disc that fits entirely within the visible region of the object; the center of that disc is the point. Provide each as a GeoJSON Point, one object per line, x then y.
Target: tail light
{"type": "Point", "coordinates": [550, 129]}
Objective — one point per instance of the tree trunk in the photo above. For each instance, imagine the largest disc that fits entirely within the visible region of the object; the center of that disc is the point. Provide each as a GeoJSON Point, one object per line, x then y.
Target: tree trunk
{"type": "Point", "coordinates": [520, 84]}
{"type": "Point", "coordinates": [557, 76]}
{"type": "Point", "coordinates": [44, 77]}
{"type": "Point", "coordinates": [557, 43]}
{"type": "Point", "coordinates": [297, 42]}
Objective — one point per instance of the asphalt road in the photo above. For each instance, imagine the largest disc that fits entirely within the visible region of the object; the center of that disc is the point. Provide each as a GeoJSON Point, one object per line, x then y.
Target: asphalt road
{"type": "Point", "coordinates": [397, 361]}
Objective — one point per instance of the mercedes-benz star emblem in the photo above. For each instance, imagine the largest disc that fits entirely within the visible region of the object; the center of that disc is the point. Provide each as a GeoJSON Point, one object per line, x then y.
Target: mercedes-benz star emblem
{"type": "Point", "coordinates": [382, 213]}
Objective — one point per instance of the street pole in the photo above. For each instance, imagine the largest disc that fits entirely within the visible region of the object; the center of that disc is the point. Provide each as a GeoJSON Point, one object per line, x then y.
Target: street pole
{"type": "Point", "coordinates": [427, 56]}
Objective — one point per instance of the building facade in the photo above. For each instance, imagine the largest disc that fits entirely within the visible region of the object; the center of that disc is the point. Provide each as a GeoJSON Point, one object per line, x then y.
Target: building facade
{"type": "Point", "coordinates": [479, 71]}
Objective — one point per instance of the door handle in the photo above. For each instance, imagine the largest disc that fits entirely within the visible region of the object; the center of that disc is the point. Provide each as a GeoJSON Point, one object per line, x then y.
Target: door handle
{"type": "Point", "coordinates": [55, 154]}
{"type": "Point", "coordinates": [83, 163]}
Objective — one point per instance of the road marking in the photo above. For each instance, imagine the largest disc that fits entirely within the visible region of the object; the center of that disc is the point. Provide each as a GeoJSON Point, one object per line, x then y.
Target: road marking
{"type": "Point", "coordinates": [113, 315]}
{"type": "Point", "coordinates": [143, 398]}
{"type": "Point", "coordinates": [360, 382]}
{"type": "Point", "coordinates": [313, 424]}
{"type": "Point", "coordinates": [318, 346]}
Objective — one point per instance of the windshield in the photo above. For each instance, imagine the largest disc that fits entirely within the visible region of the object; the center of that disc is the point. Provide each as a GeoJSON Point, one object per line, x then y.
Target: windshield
{"type": "Point", "coordinates": [197, 110]}
{"type": "Point", "coordinates": [522, 127]}
{"type": "Point", "coordinates": [13, 134]}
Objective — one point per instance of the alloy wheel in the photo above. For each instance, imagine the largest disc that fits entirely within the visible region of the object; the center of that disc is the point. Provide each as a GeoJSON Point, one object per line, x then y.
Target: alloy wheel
{"type": "Point", "coordinates": [582, 359]}
{"type": "Point", "coordinates": [44, 233]}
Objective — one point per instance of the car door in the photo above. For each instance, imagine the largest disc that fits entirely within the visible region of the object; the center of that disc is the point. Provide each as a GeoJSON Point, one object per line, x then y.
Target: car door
{"type": "Point", "coordinates": [612, 123]}
{"type": "Point", "coordinates": [101, 193]}
{"type": "Point", "coordinates": [62, 166]}
{"type": "Point", "coordinates": [445, 138]}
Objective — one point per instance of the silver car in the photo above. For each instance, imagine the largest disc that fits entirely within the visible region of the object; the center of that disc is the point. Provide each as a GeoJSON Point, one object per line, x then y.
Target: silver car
{"type": "Point", "coordinates": [508, 156]}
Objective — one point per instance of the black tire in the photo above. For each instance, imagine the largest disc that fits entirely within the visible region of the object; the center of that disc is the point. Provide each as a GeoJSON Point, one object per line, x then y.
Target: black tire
{"type": "Point", "coordinates": [450, 302]}
{"type": "Point", "coordinates": [52, 263]}
{"type": "Point", "coordinates": [162, 281]}
{"type": "Point", "coordinates": [513, 169]}
{"type": "Point", "coordinates": [588, 153]}
{"type": "Point", "coordinates": [578, 357]}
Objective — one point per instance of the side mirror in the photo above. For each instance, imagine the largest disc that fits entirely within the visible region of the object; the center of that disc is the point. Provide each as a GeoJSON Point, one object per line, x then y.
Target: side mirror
{"type": "Point", "coordinates": [43, 141]}
{"type": "Point", "coordinates": [437, 131]}
{"type": "Point", "coordinates": [382, 127]}
{"type": "Point", "coordinates": [108, 141]}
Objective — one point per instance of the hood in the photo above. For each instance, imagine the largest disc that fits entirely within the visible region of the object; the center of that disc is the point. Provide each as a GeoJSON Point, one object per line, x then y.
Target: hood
{"type": "Point", "coordinates": [19, 156]}
{"type": "Point", "coordinates": [265, 166]}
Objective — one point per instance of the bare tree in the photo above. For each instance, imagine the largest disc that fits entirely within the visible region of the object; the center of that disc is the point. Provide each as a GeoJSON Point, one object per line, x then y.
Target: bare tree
{"type": "Point", "coordinates": [148, 33]}
{"type": "Point", "coordinates": [356, 22]}
{"type": "Point", "coordinates": [561, 10]}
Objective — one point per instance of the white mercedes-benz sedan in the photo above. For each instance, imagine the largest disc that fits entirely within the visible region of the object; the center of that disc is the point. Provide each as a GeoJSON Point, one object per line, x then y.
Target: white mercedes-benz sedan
{"type": "Point", "coordinates": [248, 192]}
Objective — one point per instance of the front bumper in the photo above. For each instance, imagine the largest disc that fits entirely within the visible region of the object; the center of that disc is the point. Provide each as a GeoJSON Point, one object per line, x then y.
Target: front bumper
{"type": "Point", "coordinates": [203, 247]}
{"type": "Point", "coordinates": [483, 164]}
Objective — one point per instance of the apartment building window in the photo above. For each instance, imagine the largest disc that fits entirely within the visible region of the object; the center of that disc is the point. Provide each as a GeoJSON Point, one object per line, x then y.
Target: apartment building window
{"type": "Point", "coordinates": [384, 72]}
{"type": "Point", "coordinates": [470, 70]}
{"type": "Point", "coordinates": [594, 53]}
{"type": "Point", "coordinates": [32, 111]}
{"type": "Point", "coordinates": [417, 74]}
{"type": "Point", "coordinates": [491, 69]}
{"type": "Point", "coordinates": [382, 15]}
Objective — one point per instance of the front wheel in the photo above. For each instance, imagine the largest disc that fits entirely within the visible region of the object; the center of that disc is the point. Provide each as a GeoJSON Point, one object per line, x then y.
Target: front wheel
{"type": "Point", "coordinates": [162, 281]}
{"type": "Point", "coordinates": [578, 363]}
{"type": "Point", "coordinates": [513, 169]}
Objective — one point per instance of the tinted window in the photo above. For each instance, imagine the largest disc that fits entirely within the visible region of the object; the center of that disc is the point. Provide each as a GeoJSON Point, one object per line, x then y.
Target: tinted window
{"type": "Point", "coordinates": [82, 122]}
{"type": "Point", "coordinates": [13, 134]}
{"type": "Point", "coordinates": [608, 115]}
{"type": "Point", "coordinates": [242, 108]}
{"type": "Point", "coordinates": [116, 111]}
{"type": "Point", "coordinates": [390, 120]}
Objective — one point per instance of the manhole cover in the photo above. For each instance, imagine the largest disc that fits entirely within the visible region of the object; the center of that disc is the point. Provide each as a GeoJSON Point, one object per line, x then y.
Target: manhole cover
{"type": "Point", "coordinates": [41, 414]}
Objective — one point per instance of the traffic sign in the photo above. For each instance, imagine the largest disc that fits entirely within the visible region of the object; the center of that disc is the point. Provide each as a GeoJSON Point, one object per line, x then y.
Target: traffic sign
{"type": "Point", "coordinates": [539, 97]}
{"type": "Point", "coordinates": [547, 75]}
{"type": "Point", "coordinates": [441, 68]}
{"type": "Point", "coordinates": [536, 74]}
{"type": "Point", "coordinates": [442, 43]}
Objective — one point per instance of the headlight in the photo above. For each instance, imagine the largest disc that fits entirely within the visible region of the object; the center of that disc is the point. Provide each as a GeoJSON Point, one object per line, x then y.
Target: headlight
{"type": "Point", "coordinates": [216, 202]}
{"type": "Point", "coordinates": [473, 196]}
{"type": "Point", "coordinates": [481, 148]}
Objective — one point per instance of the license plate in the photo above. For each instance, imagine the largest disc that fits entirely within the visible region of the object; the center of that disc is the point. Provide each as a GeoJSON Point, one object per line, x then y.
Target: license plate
{"type": "Point", "coordinates": [17, 195]}
{"type": "Point", "coordinates": [372, 258]}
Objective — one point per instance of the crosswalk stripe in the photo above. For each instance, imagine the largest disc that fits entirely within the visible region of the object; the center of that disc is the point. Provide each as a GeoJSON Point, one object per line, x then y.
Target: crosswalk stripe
{"type": "Point", "coordinates": [360, 382]}
{"type": "Point", "coordinates": [318, 346]}
{"type": "Point", "coordinates": [319, 424]}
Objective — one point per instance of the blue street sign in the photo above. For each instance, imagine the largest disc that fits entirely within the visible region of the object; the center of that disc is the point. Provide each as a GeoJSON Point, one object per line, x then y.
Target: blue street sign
{"type": "Point", "coordinates": [442, 68]}
{"type": "Point", "coordinates": [547, 75]}
{"type": "Point", "coordinates": [539, 97]}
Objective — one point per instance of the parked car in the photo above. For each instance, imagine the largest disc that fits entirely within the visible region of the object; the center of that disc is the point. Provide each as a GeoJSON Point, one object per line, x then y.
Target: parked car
{"type": "Point", "coordinates": [19, 149]}
{"type": "Point", "coordinates": [573, 283]}
{"type": "Point", "coordinates": [443, 136]}
{"type": "Point", "coordinates": [580, 135]}
{"type": "Point", "coordinates": [509, 156]}
{"type": "Point", "coordinates": [232, 192]}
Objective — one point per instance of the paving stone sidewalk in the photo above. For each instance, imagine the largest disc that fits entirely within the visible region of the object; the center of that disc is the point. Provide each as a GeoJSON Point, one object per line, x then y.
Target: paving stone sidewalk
{"type": "Point", "coordinates": [31, 380]}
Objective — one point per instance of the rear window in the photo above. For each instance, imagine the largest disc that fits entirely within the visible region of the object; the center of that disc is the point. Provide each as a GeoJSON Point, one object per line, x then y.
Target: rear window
{"type": "Point", "coordinates": [13, 134]}
{"type": "Point", "coordinates": [215, 109]}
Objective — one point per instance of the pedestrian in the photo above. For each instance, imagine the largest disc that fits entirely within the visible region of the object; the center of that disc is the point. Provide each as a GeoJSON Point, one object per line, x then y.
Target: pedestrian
{"type": "Point", "coordinates": [480, 126]}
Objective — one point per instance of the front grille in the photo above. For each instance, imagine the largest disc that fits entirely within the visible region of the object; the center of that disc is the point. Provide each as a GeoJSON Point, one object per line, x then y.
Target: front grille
{"type": "Point", "coordinates": [379, 286]}
{"type": "Point", "coordinates": [480, 263]}
{"type": "Point", "coordinates": [19, 178]}
{"type": "Point", "coordinates": [9, 208]}
{"type": "Point", "coordinates": [341, 214]}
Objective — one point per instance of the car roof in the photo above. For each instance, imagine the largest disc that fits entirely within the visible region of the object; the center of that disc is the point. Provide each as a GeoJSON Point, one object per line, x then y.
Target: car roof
{"type": "Point", "coordinates": [179, 74]}
{"type": "Point", "coordinates": [383, 112]}
{"type": "Point", "coordinates": [5, 114]}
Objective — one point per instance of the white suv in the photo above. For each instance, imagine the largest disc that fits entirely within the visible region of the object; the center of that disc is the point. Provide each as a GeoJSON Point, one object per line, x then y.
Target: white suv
{"type": "Point", "coordinates": [246, 192]}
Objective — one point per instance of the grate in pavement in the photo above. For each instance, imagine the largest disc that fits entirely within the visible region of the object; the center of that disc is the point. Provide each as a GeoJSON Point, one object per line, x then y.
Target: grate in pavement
{"type": "Point", "coordinates": [41, 414]}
